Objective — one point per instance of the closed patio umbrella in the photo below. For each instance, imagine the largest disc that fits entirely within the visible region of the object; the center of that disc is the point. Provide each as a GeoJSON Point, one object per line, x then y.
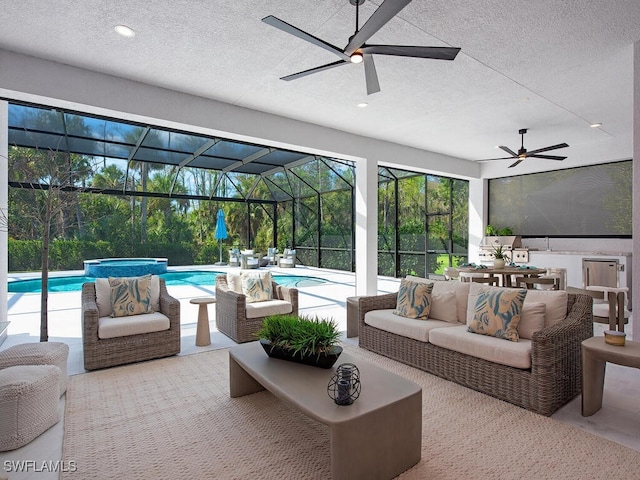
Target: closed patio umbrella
{"type": "Point", "coordinates": [221, 232]}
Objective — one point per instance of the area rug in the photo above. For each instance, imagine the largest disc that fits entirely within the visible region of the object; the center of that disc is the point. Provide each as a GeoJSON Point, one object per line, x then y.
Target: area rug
{"type": "Point", "coordinates": [173, 419]}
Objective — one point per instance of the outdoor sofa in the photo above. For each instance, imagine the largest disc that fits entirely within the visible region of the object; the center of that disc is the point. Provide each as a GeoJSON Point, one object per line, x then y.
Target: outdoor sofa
{"type": "Point", "coordinates": [541, 373]}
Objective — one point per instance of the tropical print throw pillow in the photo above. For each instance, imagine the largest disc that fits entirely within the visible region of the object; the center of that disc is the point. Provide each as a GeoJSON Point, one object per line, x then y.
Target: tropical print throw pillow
{"type": "Point", "coordinates": [497, 313]}
{"type": "Point", "coordinates": [257, 288]}
{"type": "Point", "coordinates": [130, 295]}
{"type": "Point", "coordinates": [414, 299]}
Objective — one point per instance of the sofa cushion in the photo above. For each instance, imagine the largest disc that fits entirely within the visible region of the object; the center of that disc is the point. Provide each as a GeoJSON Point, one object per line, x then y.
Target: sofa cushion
{"type": "Point", "coordinates": [130, 295]}
{"type": "Point", "coordinates": [458, 339]}
{"type": "Point", "coordinates": [103, 295]}
{"type": "Point", "coordinates": [407, 327]}
{"type": "Point", "coordinates": [461, 289]}
{"type": "Point", "coordinates": [112, 327]}
{"type": "Point", "coordinates": [268, 307]}
{"type": "Point", "coordinates": [555, 302]}
{"type": "Point", "coordinates": [257, 288]}
{"type": "Point", "coordinates": [497, 313]}
{"type": "Point", "coordinates": [444, 307]}
{"type": "Point", "coordinates": [414, 299]}
{"type": "Point", "coordinates": [531, 318]}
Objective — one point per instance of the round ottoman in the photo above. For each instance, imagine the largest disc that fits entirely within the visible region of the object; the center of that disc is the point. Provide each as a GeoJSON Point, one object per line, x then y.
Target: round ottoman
{"type": "Point", "coordinates": [43, 353]}
{"type": "Point", "coordinates": [29, 398]}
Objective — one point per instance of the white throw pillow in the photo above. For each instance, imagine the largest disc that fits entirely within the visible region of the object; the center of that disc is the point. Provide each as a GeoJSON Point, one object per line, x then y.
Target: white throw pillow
{"type": "Point", "coordinates": [444, 307]}
{"type": "Point", "coordinates": [531, 319]}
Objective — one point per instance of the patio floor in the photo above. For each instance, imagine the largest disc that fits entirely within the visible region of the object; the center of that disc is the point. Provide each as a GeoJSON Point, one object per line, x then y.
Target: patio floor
{"type": "Point", "coordinates": [618, 420]}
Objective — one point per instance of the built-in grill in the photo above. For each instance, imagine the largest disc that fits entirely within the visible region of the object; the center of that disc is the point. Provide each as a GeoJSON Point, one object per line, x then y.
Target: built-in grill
{"type": "Point", "coordinates": [512, 244]}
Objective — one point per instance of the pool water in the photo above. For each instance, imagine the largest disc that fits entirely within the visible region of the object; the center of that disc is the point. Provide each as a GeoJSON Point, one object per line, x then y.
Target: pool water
{"type": "Point", "coordinates": [173, 279]}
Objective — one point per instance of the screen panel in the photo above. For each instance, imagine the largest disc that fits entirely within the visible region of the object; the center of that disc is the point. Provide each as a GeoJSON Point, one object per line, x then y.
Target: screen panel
{"type": "Point", "coordinates": [591, 201]}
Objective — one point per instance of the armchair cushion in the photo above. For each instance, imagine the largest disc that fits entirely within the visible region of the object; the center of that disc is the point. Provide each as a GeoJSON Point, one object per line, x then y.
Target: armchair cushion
{"type": "Point", "coordinates": [130, 295]}
{"type": "Point", "coordinates": [268, 307]}
{"type": "Point", "coordinates": [110, 327]}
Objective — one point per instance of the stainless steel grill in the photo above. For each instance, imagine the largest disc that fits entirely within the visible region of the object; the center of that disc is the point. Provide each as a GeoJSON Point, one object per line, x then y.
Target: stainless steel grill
{"type": "Point", "coordinates": [511, 244]}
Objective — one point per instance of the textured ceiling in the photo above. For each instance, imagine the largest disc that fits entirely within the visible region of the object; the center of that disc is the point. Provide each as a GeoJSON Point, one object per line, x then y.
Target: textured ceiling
{"type": "Point", "coordinates": [551, 66]}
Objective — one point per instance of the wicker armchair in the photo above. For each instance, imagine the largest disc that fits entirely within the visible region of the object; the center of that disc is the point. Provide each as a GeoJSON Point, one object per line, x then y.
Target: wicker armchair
{"type": "Point", "coordinates": [108, 352]}
{"type": "Point", "coordinates": [231, 310]}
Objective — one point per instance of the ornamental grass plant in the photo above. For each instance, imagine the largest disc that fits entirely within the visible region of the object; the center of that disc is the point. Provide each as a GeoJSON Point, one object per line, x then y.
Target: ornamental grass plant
{"type": "Point", "coordinates": [302, 335]}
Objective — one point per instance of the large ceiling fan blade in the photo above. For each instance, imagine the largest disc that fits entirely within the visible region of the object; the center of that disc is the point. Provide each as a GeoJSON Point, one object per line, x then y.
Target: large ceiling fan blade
{"type": "Point", "coordinates": [508, 150]}
{"type": "Point", "coordinates": [304, 73]}
{"type": "Point", "coordinates": [546, 149]}
{"type": "Point", "coordinates": [371, 75]}
{"type": "Point", "coordinates": [548, 157]}
{"type": "Point", "coordinates": [437, 53]}
{"type": "Point", "coordinates": [286, 27]}
{"type": "Point", "coordinates": [492, 159]}
{"type": "Point", "coordinates": [516, 163]}
{"type": "Point", "coordinates": [384, 13]}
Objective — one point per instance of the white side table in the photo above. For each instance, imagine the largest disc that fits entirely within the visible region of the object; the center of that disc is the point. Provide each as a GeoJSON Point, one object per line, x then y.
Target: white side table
{"type": "Point", "coordinates": [203, 334]}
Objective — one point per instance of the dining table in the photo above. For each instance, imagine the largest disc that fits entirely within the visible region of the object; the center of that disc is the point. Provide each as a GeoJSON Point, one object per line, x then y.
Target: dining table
{"type": "Point", "coordinates": [506, 273]}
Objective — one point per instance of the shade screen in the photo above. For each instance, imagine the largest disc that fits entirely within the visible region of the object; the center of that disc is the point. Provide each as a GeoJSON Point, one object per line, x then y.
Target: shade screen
{"type": "Point", "coordinates": [590, 201]}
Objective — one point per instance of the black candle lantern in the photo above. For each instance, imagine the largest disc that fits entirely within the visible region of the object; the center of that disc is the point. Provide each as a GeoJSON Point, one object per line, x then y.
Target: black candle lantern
{"type": "Point", "coordinates": [344, 386]}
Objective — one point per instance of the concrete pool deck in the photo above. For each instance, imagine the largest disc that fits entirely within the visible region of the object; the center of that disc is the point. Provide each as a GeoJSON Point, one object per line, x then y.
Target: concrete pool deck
{"type": "Point", "coordinates": [327, 300]}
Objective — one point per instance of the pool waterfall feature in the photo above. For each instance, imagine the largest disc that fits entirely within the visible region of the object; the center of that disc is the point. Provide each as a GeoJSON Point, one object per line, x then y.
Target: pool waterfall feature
{"type": "Point", "coordinates": [124, 267]}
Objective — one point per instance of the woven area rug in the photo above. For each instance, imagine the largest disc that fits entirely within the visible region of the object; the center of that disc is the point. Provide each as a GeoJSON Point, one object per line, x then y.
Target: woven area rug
{"type": "Point", "coordinates": [173, 419]}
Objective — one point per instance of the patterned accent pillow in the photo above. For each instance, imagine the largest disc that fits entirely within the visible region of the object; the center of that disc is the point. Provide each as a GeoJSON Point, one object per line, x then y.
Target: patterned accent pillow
{"type": "Point", "coordinates": [414, 299]}
{"type": "Point", "coordinates": [257, 288]}
{"type": "Point", "coordinates": [497, 313]}
{"type": "Point", "coordinates": [130, 295]}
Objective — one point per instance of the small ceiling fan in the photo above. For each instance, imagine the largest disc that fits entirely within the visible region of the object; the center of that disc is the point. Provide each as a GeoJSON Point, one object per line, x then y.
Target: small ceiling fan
{"type": "Point", "coordinates": [523, 153]}
{"type": "Point", "coordinates": [357, 51]}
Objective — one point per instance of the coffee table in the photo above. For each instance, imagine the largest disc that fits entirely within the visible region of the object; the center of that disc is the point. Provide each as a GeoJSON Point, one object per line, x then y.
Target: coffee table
{"type": "Point", "coordinates": [379, 436]}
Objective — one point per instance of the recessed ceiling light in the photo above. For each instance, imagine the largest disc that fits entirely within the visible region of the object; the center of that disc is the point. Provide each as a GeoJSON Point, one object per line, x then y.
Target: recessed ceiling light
{"type": "Point", "coordinates": [595, 125]}
{"type": "Point", "coordinates": [124, 31]}
{"type": "Point", "coordinates": [362, 104]}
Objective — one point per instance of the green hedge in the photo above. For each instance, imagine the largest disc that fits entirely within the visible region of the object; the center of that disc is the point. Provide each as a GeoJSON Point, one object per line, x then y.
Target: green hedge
{"type": "Point", "coordinates": [25, 255]}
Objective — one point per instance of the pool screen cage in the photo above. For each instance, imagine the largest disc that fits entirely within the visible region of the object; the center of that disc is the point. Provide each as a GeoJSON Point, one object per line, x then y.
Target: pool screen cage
{"type": "Point", "coordinates": [129, 189]}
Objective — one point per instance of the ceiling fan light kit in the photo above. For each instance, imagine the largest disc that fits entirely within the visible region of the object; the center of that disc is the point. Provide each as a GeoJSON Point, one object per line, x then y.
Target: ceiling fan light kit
{"type": "Point", "coordinates": [523, 153]}
{"type": "Point", "coordinates": [357, 50]}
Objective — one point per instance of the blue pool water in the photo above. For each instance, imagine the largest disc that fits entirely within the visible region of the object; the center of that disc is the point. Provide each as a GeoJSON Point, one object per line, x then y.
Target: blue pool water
{"type": "Point", "coordinates": [177, 279]}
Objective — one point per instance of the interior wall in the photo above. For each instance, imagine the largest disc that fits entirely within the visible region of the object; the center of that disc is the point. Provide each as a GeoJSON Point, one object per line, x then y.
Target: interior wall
{"type": "Point", "coordinates": [636, 179]}
{"type": "Point", "coordinates": [4, 201]}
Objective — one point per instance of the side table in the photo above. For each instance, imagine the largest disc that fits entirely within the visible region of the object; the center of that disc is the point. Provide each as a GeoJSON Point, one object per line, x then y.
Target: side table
{"type": "Point", "coordinates": [352, 317]}
{"type": "Point", "coordinates": [595, 355]}
{"type": "Point", "coordinates": [203, 334]}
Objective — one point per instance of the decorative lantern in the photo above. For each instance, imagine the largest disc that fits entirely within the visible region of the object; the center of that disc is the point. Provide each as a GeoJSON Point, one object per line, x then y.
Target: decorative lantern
{"type": "Point", "coordinates": [344, 386]}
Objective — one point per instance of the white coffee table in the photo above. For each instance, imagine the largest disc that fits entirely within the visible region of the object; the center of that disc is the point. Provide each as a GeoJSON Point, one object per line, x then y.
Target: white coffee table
{"type": "Point", "coordinates": [379, 436]}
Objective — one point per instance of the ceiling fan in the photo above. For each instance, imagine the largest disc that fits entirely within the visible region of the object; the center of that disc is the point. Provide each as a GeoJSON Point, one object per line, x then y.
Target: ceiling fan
{"type": "Point", "coordinates": [357, 50]}
{"type": "Point", "coordinates": [523, 153]}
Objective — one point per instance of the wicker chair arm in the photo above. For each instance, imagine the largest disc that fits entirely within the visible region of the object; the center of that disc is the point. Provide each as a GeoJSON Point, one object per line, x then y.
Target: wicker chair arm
{"type": "Point", "coordinates": [550, 345]}
{"type": "Point", "coordinates": [375, 302]}
{"type": "Point", "coordinates": [288, 294]}
{"type": "Point", "coordinates": [169, 306]}
{"type": "Point", "coordinates": [89, 313]}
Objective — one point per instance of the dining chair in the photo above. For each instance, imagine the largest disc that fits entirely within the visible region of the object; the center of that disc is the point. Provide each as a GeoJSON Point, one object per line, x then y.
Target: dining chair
{"type": "Point", "coordinates": [490, 280]}
{"type": "Point", "coordinates": [540, 283]}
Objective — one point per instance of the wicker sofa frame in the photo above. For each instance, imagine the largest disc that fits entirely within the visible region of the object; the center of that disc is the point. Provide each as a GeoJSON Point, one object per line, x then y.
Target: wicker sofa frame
{"type": "Point", "coordinates": [231, 310]}
{"type": "Point", "coordinates": [555, 376]}
{"type": "Point", "coordinates": [109, 352]}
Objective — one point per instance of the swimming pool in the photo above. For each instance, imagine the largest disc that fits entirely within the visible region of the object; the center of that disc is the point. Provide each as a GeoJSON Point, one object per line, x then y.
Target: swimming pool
{"type": "Point", "coordinates": [124, 267]}
{"type": "Point", "coordinates": [176, 279]}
